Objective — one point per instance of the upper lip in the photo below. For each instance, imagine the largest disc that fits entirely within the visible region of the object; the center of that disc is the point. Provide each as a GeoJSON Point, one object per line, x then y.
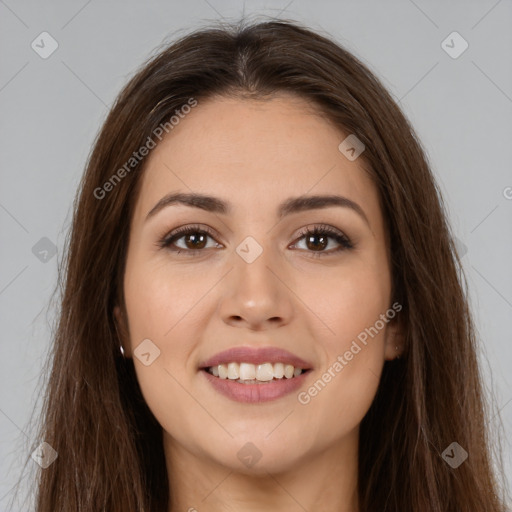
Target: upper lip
{"type": "Point", "coordinates": [255, 355]}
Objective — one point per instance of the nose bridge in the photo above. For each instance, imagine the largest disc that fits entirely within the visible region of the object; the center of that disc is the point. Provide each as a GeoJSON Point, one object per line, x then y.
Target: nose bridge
{"type": "Point", "coordinates": [255, 261]}
{"type": "Point", "coordinates": [254, 292]}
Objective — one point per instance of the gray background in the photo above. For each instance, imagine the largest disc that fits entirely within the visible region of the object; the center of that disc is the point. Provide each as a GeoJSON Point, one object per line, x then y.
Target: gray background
{"type": "Point", "coordinates": [52, 108]}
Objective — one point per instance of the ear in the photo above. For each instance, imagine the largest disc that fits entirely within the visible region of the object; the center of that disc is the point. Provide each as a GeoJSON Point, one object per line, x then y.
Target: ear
{"type": "Point", "coordinates": [394, 339]}
{"type": "Point", "coordinates": [122, 331]}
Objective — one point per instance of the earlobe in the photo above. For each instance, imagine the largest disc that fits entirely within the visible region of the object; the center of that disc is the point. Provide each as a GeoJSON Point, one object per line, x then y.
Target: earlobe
{"type": "Point", "coordinates": [122, 332]}
{"type": "Point", "coordinates": [394, 341]}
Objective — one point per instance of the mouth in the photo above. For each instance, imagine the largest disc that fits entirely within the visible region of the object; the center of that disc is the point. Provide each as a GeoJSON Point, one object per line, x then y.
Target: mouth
{"type": "Point", "coordinates": [250, 375]}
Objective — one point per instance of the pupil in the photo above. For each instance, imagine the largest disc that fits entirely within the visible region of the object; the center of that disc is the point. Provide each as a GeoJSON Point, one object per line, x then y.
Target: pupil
{"type": "Point", "coordinates": [323, 243]}
{"type": "Point", "coordinates": [194, 239]}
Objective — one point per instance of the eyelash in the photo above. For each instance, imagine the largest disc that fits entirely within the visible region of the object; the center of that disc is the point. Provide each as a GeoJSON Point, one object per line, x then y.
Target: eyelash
{"type": "Point", "coordinates": [167, 240]}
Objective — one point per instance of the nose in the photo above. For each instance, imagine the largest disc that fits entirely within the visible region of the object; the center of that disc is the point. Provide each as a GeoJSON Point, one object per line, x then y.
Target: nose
{"type": "Point", "coordinates": [257, 295]}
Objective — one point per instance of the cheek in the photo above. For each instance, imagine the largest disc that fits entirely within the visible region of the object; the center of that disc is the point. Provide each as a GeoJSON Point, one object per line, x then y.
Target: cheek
{"type": "Point", "coordinates": [352, 347]}
{"type": "Point", "coordinates": [340, 398]}
{"type": "Point", "coordinates": [171, 308]}
{"type": "Point", "coordinates": [344, 305]}
{"type": "Point", "coordinates": [160, 307]}
{"type": "Point", "coordinates": [161, 304]}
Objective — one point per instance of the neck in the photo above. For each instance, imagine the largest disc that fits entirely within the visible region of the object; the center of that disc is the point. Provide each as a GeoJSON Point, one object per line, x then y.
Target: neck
{"type": "Point", "coordinates": [325, 480]}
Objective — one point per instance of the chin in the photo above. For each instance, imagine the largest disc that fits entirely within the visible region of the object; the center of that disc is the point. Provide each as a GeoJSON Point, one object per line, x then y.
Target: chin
{"type": "Point", "coordinates": [260, 456]}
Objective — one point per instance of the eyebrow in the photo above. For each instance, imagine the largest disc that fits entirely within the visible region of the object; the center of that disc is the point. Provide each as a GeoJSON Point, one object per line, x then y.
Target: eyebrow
{"type": "Point", "coordinates": [288, 207]}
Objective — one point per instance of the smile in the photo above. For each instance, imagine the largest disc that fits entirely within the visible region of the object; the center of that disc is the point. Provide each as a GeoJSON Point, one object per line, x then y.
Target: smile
{"type": "Point", "coordinates": [248, 373]}
{"type": "Point", "coordinates": [255, 374]}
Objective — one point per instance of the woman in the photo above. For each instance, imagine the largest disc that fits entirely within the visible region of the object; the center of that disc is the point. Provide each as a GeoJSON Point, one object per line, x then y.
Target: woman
{"type": "Point", "coordinates": [262, 305]}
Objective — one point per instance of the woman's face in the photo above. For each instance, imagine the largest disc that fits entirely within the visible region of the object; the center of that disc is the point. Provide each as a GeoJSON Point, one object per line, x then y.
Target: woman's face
{"type": "Point", "coordinates": [248, 278]}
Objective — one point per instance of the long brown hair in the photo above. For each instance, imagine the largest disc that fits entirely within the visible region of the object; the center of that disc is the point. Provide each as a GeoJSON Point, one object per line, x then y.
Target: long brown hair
{"type": "Point", "coordinates": [110, 453]}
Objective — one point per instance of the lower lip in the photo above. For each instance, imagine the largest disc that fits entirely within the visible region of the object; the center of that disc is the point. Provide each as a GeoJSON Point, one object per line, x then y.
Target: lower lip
{"type": "Point", "coordinates": [253, 393]}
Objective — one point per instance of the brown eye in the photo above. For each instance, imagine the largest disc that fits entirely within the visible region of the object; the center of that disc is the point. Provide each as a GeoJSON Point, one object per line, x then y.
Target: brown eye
{"type": "Point", "coordinates": [318, 238]}
{"type": "Point", "coordinates": [191, 239]}
{"type": "Point", "coordinates": [316, 242]}
{"type": "Point", "coordinates": [195, 241]}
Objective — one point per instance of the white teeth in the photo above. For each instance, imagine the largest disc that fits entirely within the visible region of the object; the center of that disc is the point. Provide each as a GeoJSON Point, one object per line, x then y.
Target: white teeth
{"type": "Point", "coordinates": [223, 371]}
{"type": "Point", "coordinates": [265, 372]}
{"type": "Point", "coordinates": [247, 372]}
{"type": "Point", "coordinates": [233, 371]}
{"type": "Point", "coordinates": [279, 370]}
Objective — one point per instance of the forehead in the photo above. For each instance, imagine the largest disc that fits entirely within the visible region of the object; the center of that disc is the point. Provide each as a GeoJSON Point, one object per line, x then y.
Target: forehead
{"type": "Point", "coordinates": [254, 154]}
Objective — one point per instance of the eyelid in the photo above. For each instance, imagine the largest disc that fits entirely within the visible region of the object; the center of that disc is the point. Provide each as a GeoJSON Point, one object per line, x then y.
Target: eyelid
{"type": "Point", "coordinates": [179, 232]}
{"type": "Point", "coordinates": [312, 229]}
{"type": "Point", "coordinates": [344, 242]}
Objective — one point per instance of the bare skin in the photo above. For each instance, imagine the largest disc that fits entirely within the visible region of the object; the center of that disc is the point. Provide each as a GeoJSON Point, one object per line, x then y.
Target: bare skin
{"type": "Point", "coordinates": [299, 296]}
